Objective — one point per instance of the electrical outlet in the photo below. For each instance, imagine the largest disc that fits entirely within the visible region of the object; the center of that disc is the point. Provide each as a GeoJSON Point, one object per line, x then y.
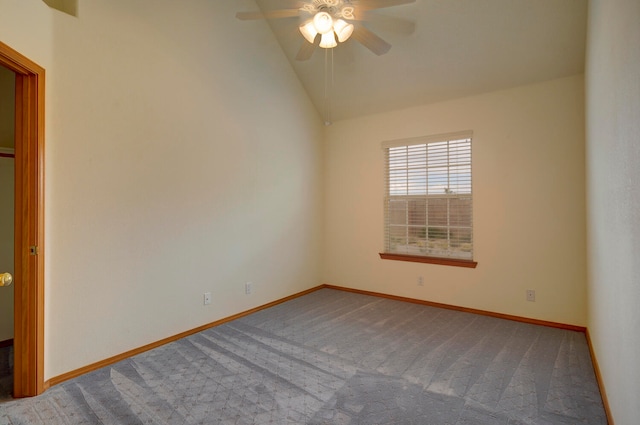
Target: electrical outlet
{"type": "Point", "coordinates": [420, 281]}
{"type": "Point", "coordinates": [248, 288]}
{"type": "Point", "coordinates": [531, 295]}
{"type": "Point", "coordinates": [207, 298]}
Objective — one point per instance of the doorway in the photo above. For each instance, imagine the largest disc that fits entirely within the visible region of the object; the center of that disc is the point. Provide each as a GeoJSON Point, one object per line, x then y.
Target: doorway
{"type": "Point", "coordinates": [7, 183]}
{"type": "Point", "coordinates": [28, 263]}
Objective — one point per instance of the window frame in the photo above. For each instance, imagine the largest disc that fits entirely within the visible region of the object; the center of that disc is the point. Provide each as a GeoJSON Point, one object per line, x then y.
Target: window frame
{"type": "Point", "coordinates": [449, 259]}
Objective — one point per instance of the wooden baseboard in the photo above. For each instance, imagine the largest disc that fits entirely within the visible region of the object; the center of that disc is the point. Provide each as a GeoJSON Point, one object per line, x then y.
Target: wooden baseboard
{"type": "Point", "coordinates": [463, 309]}
{"type": "Point", "coordinates": [6, 343]}
{"type": "Point", "coordinates": [111, 360]}
{"type": "Point", "coordinates": [603, 393]}
{"type": "Point", "coordinates": [596, 370]}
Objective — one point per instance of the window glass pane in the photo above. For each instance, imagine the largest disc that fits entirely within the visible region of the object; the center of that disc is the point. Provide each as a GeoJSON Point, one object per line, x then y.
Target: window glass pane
{"type": "Point", "coordinates": [397, 236]}
{"type": "Point", "coordinates": [438, 181]}
{"type": "Point", "coordinates": [460, 212]}
{"type": "Point", "coordinates": [417, 212]}
{"type": "Point", "coordinates": [460, 179]}
{"type": "Point", "coordinates": [417, 181]}
{"type": "Point", "coordinates": [437, 154]}
{"type": "Point", "coordinates": [437, 232]}
{"type": "Point", "coordinates": [417, 235]}
{"type": "Point", "coordinates": [398, 212]}
{"type": "Point", "coordinates": [460, 243]}
{"type": "Point", "coordinates": [460, 151]}
{"type": "Point", "coordinates": [437, 212]}
{"type": "Point", "coordinates": [460, 236]}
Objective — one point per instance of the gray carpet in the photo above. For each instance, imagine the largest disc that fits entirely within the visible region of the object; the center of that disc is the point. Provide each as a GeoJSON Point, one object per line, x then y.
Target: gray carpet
{"type": "Point", "coordinates": [333, 357]}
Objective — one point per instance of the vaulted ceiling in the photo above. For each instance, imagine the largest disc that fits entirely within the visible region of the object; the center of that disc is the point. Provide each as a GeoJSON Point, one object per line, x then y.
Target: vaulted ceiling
{"type": "Point", "coordinates": [459, 48]}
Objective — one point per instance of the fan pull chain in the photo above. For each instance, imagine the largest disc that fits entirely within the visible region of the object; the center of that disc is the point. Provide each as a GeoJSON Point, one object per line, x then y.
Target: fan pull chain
{"type": "Point", "coordinates": [328, 84]}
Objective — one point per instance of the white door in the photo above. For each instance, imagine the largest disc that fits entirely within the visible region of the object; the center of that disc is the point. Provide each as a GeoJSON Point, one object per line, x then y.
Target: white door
{"type": "Point", "coordinates": [6, 245]}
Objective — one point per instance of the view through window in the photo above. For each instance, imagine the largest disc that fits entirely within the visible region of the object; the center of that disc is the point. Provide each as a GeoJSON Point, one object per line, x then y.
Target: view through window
{"type": "Point", "coordinates": [428, 197]}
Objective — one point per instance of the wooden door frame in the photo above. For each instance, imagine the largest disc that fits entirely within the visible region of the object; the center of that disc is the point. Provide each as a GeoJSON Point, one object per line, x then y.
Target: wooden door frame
{"type": "Point", "coordinates": [29, 223]}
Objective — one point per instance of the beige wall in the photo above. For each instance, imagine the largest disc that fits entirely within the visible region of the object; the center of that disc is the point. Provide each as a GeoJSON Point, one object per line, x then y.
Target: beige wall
{"type": "Point", "coordinates": [613, 192]}
{"type": "Point", "coordinates": [529, 205]}
{"type": "Point", "coordinates": [7, 102]}
{"type": "Point", "coordinates": [177, 163]}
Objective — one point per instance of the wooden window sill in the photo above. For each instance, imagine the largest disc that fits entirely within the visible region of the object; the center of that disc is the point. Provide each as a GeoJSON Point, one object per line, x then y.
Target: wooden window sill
{"type": "Point", "coordinates": [431, 260]}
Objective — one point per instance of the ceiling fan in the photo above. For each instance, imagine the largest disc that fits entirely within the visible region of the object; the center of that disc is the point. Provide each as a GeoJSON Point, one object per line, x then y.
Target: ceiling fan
{"type": "Point", "coordinates": [325, 23]}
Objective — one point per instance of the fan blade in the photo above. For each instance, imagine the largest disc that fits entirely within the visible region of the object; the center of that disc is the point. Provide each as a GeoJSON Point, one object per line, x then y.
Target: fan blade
{"type": "Point", "coordinates": [270, 14]}
{"type": "Point", "coordinates": [388, 23]}
{"type": "Point", "coordinates": [371, 41]}
{"type": "Point", "coordinates": [281, 4]}
{"type": "Point", "coordinates": [379, 4]}
{"type": "Point", "coordinates": [307, 49]}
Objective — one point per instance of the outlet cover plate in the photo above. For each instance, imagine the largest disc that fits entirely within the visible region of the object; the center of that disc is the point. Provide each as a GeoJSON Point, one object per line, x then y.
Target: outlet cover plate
{"type": "Point", "coordinates": [531, 295]}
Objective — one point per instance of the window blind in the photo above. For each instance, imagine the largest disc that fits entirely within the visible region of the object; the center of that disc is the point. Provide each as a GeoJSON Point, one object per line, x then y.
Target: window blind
{"type": "Point", "coordinates": [428, 196]}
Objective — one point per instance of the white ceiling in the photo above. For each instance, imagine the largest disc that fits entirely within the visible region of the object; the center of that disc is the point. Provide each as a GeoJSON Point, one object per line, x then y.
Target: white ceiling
{"type": "Point", "coordinates": [459, 48]}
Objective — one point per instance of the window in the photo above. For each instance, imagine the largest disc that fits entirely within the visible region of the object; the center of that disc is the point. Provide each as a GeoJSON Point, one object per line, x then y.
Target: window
{"type": "Point", "coordinates": [428, 200]}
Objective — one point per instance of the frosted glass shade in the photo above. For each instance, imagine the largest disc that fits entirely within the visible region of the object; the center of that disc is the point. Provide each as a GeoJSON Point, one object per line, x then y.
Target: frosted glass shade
{"type": "Point", "coordinates": [323, 22]}
{"type": "Point", "coordinates": [343, 30]}
{"type": "Point", "coordinates": [309, 31]}
{"type": "Point", "coordinates": [328, 40]}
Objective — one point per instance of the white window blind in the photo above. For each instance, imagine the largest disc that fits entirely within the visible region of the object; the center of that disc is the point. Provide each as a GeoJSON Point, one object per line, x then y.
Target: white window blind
{"type": "Point", "coordinates": [428, 197]}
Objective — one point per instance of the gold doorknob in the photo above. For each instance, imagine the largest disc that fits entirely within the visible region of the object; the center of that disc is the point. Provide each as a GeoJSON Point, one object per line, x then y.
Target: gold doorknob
{"type": "Point", "coordinates": [5, 279]}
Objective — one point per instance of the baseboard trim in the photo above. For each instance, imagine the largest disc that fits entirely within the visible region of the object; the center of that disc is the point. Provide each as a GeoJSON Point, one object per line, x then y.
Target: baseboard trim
{"type": "Point", "coordinates": [585, 330]}
{"type": "Point", "coordinates": [463, 309]}
{"type": "Point", "coordinates": [596, 370]}
{"type": "Point", "coordinates": [6, 343]}
{"type": "Point", "coordinates": [114, 359]}
{"type": "Point", "coordinates": [111, 360]}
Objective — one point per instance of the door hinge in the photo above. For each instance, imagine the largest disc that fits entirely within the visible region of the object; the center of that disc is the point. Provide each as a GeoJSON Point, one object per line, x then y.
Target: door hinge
{"type": "Point", "coordinates": [33, 250]}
